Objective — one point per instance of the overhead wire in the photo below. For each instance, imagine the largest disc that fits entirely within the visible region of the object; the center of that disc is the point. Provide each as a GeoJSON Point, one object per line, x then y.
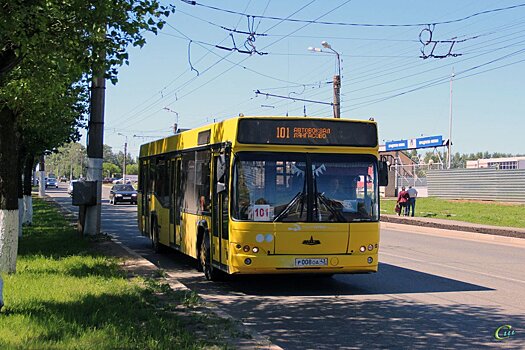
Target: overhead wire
{"type": "Point", "coordinates": [461, 19]}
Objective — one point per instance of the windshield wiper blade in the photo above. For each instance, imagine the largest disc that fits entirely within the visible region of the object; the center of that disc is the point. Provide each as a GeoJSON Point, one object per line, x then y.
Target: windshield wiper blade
{"type": "Point", "coordinates": [289, 206]}
{"type": "Point", "coordinates": [327, 202]}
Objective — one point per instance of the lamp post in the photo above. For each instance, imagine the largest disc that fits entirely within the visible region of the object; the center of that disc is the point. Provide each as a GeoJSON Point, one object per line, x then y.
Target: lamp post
{"type": "Point", "coordinates": [125, 153]}
{"type": "Point", "coordinates": [337, 77]}
{"type": "Point", "coordinates": [176, 125]}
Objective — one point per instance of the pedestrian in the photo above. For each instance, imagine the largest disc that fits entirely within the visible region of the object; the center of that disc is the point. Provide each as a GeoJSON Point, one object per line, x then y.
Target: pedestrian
{"type": "Point", "coordinates": [402, 200]}
{"type": "Point", "coordinates": [412, 194]}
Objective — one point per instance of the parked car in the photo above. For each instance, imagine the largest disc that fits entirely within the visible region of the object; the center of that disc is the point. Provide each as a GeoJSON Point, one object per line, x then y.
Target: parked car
{"type": "Point", "coordinates": [122, 193]}
{"type": "Point", "coordinates": [121, 181]}
{"type": "Point", "coordinates": [51, 182]}
{"type": "Point", "coordinates": [63, 179]}
{"type": "Point", "coordinates": [107, 180]}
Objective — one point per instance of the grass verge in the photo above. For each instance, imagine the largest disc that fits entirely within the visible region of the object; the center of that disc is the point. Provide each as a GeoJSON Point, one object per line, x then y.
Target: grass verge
{"type": "Point", "coordinates": [66, 295]}
{"type": "Point", "coordinates": [486, 213]}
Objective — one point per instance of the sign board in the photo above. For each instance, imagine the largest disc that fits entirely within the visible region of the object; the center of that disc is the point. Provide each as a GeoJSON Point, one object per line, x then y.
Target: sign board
{"type": "Point", "coordinates": [396, 145]}
{"type": "Point", "coordinates": [306, 131]}
{"type": "Point", "coordinates": [430, 141]}
{"type": "Point", "coordinates": [420, 142]}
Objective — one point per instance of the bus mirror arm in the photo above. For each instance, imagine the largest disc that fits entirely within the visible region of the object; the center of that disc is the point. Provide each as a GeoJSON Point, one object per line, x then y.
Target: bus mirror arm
{"type": "Point", "coordinates": [383, 173]}
{"type": "Point", "coordinates": [221, 187]}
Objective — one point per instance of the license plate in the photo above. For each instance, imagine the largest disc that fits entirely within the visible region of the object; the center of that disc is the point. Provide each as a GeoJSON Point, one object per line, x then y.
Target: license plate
{"type": "Point", "coordinates": [126, 197]}
{"type": "Point", "coordinates": [303, 262]}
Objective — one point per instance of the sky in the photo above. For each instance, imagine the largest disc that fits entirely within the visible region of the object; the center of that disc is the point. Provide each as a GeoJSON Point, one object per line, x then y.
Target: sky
{"type": "Point", "coordinates": [186, 75]}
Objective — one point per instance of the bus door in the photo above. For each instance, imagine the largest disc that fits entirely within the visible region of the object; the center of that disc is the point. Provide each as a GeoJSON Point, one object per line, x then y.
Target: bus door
{"type": "Point", "coordinates": [176, 202]}
{"type": "Point", "coordinates": [220, 217]}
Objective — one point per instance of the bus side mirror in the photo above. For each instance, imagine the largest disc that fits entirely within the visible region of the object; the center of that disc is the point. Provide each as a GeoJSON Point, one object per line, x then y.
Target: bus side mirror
{"type": "Point", "coordinates": [221, 166]}
{"type": "Point", "coordinates": [221, 187]}
{"type": "Point", "coordinates": [383, 173]}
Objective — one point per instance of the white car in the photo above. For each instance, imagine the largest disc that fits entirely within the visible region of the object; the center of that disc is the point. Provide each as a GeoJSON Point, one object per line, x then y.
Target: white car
{"type": "Point", "coordinates": [121, 181]}
{"type": "Point", "coordinates": [70, 187]}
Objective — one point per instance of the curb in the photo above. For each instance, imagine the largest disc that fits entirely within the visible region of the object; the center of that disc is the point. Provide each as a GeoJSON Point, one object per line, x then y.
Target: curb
{"type": "Point", "coordinates": [176, 285]}
{"type": "Point", "coordinates": [452, 226]}
{"type": "Point", "coordinates": [444, 232]}
{"type": "Point", "coordinates": [255, 341]}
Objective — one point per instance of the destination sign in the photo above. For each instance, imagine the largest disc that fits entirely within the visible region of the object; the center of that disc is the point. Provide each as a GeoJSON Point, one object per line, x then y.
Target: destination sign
{"type": "Point", "coordinates": [307, 132]}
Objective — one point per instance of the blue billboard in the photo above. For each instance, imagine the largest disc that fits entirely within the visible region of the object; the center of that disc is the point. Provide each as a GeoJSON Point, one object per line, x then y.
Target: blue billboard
{"type": "Point", "coordinates": [396, 145]}
{"type": "Point", "coordinates": [420, 142]}
{"type": "Point", "coordinates": [430, 141]}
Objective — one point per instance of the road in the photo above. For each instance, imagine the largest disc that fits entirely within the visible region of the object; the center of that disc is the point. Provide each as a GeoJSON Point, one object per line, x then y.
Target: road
{"type": "Point", "coordinates": [430, 292]}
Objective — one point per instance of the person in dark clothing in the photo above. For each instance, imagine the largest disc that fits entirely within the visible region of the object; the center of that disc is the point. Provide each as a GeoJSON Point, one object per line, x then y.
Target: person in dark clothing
{"type": "Point", "coordinates": [402, 200]}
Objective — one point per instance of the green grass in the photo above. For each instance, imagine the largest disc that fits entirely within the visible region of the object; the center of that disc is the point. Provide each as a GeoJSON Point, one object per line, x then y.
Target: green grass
{"type": "Point", "coordinates": [65, 295]}
{"type": "Point", "coordinates": [486, 213]}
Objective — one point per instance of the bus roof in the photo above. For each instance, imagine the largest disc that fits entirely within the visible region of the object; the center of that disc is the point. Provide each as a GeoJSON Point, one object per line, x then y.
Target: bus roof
{"type": "Point", "coordinates": [276, 130]}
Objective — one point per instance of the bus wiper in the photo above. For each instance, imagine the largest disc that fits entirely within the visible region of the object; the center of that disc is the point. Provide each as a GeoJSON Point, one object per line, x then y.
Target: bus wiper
{"type": "Point", "coordinates": [328, 204]}
{"type": "Point", "coordinates": [299, 196]}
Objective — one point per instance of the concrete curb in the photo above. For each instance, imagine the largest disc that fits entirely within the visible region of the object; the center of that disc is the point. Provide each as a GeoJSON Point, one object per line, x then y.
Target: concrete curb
{"type": "Point", "coordinates": [454, 226]}
{"type": "Point", "coordinates": [443, 232]}
{"type": "Point", "coordinates": [176, 285]}
{"type": "Point", "coordinates": [256, 340]}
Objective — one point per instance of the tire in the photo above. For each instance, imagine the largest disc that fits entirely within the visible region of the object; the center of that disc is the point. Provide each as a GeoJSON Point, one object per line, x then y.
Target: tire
{"type": "Point", "coordinates": [155, 244]}
{"type": "Point", "coordinates": [210, 272]}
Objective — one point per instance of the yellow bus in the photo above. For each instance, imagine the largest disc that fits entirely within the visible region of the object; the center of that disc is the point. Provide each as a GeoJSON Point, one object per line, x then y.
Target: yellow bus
{"type": "Point", "coordinates": [264, 195]}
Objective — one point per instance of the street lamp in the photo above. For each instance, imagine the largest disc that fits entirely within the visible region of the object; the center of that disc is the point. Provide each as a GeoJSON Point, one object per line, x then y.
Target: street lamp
{"type": "Point", "coordinates": [176, 125]}
{"type": "Point", "coordinates": [125, 152]}
{"type": "Point", "coordinates": [337, 77]}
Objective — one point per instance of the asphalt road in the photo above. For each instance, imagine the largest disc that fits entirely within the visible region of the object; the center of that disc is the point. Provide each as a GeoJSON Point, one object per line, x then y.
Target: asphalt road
{"type": "Point", "coordinates": [430, 292]}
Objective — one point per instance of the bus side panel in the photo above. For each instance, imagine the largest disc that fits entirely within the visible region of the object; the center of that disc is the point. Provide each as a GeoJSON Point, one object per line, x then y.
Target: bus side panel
{"type": "Point", "coordinates": [163, 216]}
{"type": "Point", "coordinates": [189, 234]}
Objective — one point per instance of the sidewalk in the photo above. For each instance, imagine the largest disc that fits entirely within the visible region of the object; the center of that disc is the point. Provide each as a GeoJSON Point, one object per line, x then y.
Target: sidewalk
{"type": "Point", "coordinates": [454, 225]}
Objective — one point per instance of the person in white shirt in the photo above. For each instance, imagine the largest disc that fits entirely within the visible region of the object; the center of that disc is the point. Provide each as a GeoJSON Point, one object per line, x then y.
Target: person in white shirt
{"type": "Point", "coordinates": [412, 193]}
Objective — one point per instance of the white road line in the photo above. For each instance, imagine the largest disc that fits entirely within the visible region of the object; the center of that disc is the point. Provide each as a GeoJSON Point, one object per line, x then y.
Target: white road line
{"type": "Point", "coordinates": [455, 268]}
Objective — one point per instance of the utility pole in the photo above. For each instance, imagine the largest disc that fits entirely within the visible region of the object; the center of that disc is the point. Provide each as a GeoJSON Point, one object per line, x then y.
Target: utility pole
{"type": "Point", "coordinates": [95, 149]}
{"type": "Point", "coordinates": [125, 153]}
{"type": "Point", "coordinates": [450, 122]}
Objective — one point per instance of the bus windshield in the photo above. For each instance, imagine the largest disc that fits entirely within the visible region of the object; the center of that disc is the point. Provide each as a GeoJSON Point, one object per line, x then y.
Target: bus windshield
{"type": "Point", "coordinates": [300, 187]}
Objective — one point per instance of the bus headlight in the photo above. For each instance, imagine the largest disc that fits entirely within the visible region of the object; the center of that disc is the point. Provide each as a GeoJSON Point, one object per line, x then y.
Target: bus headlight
{"type": "Point", "coordinates": [362, 249]}
{"type": "Point", "coordinates": [246, 248]}
{"type": "Point", "coordinates": [255, 249]}
{"type": "Point", "coordinates": [370, 260]}
{"type": "Point", "coordinates": [370, 246]}
{"type": "Point", "coordinates": [248, 261]}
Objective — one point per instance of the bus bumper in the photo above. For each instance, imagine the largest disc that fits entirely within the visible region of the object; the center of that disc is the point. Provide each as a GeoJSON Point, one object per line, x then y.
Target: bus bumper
{"type": "Point", "coordinates": [297, 264]}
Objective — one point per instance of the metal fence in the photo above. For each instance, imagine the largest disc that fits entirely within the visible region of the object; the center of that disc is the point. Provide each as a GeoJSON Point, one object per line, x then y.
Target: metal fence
{"type": "Point", "coordinates": [482, 184]}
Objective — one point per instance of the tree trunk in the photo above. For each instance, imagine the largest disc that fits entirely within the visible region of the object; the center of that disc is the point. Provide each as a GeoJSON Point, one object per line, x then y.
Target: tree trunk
{"type": "Point", "coordinates": [19, 187]}
{"type": "Point", "coordinates": [8, 190]}
{"type": "Point", "coordinates": [28, 199]}
{"type": "Point", "coordinates": [1, 292]}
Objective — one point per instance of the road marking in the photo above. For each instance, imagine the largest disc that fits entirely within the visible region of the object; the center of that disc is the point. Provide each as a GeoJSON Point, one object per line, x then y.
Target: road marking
{"type": "Point", "coordinates": [455, 268]}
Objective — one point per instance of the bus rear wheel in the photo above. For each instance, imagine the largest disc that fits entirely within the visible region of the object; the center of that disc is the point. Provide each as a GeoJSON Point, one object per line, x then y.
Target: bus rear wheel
{"type": "Point", "coordinates": [210, 272]}
{"type": "Point", "coordinates": [155, 244]}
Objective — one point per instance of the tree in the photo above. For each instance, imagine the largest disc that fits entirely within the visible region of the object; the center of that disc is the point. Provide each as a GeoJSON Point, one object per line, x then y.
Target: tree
{"type": "Point", "coordinates": [47, 49]}
{"type": "Point", "coordinates": [110, 169]}
{"type": "Point", "coordinates": [132, 169]}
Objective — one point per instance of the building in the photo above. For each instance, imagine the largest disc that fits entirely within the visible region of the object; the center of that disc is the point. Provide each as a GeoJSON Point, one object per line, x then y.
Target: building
{"type": "Point", "coordinates": [497, 163]}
